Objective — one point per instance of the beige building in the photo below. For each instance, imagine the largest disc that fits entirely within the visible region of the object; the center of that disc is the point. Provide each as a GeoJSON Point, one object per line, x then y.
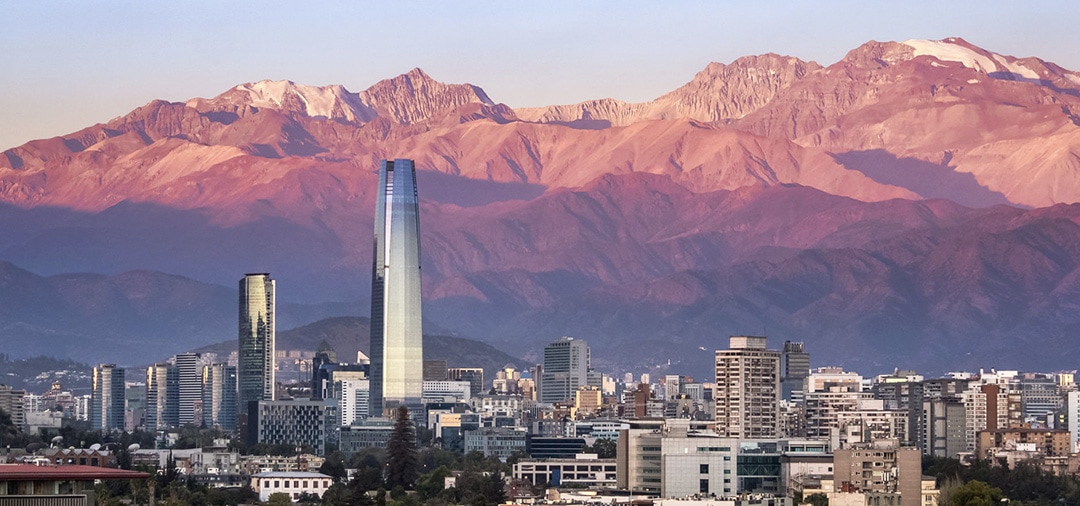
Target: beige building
{"type": "Point", "coordinates": [747, 389]}
{"type": "Point", "coordinates": [880, 467]}
{"type": "Point", "coordinates": [1046, 442]}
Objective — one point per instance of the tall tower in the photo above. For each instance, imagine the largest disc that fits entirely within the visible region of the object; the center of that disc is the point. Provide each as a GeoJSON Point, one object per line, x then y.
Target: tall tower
{"type": "Point", "coordinates": [219, 396]}
{"type": "Point", "coordinates": [397, 341]}
{"type": "Point", "coordinates": [107, 401]}
{"type": "Point", "coordinates": [748, 389]}
{"type": "Point", "coordinates": [189, 369]}
{"type": "Point", "coordinates": [255, 366]}
{"type": "Point", "coordinates": [566, 367]}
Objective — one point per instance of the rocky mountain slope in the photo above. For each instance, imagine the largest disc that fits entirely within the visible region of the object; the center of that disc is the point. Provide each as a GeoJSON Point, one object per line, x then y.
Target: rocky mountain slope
{"type": "Point", "coordinates": [768, 194]}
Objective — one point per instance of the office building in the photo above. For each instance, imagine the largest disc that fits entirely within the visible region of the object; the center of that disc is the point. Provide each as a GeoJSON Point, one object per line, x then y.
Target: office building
{"type": "Point", "coordinates": [397, 341]}
{"type": "Point", "coordinates": [219, 396]}
{"type": "Point", "coordinates": [794, 368]}
{"type": "Point", "coordinates": [189, 385]}
{"type": "Point", "coordinates": [107, 400]}
{"type": "Point", "coordinates": [299, 422]}
{"type": "Point", "coordinates": [566, 367]}
{"type": "Point", "coordinates": [474, 375]}
{"type": "Point", "coordinates": [160, 413]}
{"type": "Point", "coordinates": [747, 392]}
{"type": "Point", "coordinates": [255, 365]}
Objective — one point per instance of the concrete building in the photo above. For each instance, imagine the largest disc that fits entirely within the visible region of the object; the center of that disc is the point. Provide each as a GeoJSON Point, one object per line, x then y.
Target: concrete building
{"type": "Point", "coordinates": [1046, 442]}
{"type": "Point", "coordinates": [501, 442]}
{"type": "Point", "coordinates": [989, 407]}
{"type": "Point", "coordinates": [675, 458]}
{"type": "Point", "coordinates": [354, 401]}
{"type": "Point", "coordinates": [823, 407]}
{"type": "Point", "coordinates": [566, 367]}
{"type": "Point", "coordinates": [447, 391]}
{"type": "Point", "coordinates": [474, 375]}
{"type": "Point", "coordinates": [295, 422]}
{"type": "Point", "coordinates": [584, 470]}
{"type": "Point", "coordinates": [880, 466]}
{"type": "Point", "coordinates": [397, 337]}
{"type": "Point", "coordinates": [363, 434]}
{"type": "Point", "coordinates": [189, 383]}
{"type": "Point", "coordinates": [944, 427]}
{"type": "Point", "coordinates": [11, 402]}
{"type": "Point", "coordinates": [747, 391]}
{"type": "Point", "coordinates": [293, 484]}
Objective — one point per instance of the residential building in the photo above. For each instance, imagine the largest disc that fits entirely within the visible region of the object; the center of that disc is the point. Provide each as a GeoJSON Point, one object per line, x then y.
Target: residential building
{"type": "Point", "coordinates": [397, 338]}
{"type": "Point", "coordinates": [880, 466]}
{"type": "Point", "coordinates": [11, 402]}
{"type": "Point", "coordinates": [747, 394]}
{"type": "Point", "coordinates": [189, 384]}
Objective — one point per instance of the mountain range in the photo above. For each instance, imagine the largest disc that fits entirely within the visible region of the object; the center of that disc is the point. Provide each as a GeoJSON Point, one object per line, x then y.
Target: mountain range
{"type": "Point", "coordinates": [911, 205]}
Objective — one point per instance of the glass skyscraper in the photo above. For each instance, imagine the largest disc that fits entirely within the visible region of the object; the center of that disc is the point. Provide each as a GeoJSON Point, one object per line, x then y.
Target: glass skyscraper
{"type": "Point", "coordinates": [397, 345]}
{"type": "Point", "coordinates": [255, 366]}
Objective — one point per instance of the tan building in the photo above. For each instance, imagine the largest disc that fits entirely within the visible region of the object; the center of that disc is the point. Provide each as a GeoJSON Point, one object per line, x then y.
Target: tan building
{"type": "Point", "coordinates": [882, 466]}
{"type": "Point", "coordinates": [587, 402]}
{"type": "Point", "coordinates": [1047, 442]}
{"type": "Point", "coordinates": [748, 389]}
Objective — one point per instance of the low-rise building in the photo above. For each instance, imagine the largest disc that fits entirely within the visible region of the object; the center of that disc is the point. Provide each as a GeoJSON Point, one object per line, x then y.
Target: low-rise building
{"type": "Point", "coordinates": [294, 484]}
{"type": "Point", "coordinates": [67, 485]}
{"type": "Point", "coordinates": [501, 442]}
{"type": "Point", "coordinates": [586, 470]}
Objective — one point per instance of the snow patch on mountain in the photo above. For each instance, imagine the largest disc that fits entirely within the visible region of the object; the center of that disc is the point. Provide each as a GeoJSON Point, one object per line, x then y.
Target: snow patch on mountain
{"type": "Point", "coordinates": [332, 102]}
{"type": "Point", "coordinates": [944, 50]}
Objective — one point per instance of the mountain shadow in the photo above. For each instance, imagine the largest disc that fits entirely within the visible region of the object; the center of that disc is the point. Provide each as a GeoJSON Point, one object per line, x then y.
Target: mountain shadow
{"type": "Point", "coordinates": [929, 180]}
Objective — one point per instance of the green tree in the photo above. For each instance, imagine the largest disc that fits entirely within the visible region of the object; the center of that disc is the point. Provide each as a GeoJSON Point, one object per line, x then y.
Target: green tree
{"type": "Point", "coordinates": [816, 500]}
{"type": "Point", "coordinates": [279, 499]}
{"type": "Point", "coordinates": [976, 493]}
{"type": "Point", "coordinates": [401, 454]}
{"type": "Point", "coordinates": [603, 448]}
{"type": "Point", "coordinates": [334, 467]}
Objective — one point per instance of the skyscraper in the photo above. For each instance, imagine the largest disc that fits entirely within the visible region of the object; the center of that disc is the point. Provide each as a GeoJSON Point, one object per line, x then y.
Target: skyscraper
{"type": "Point", "coordinates": [107, 401]}
{"type": "Point", "coordinates": [748, 389]}
{"type": "Point", "coordinates": [161, 409]}
{"type": "Point", "coordinates": [566, 367]}
{"type": "Point", "coordinates": [397, 343]}
{"type": "Point", "coordinates": [219, 396]}
{"type": "Point", "coordinates": [189, 387]}
{"type": "Point", "coordinates": [794, 368]}
{"type": "Point", "coordinates": [255, 366]}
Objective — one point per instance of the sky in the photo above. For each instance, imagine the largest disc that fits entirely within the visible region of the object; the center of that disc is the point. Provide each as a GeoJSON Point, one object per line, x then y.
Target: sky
{"type": "Point", "coordinates": [65, 65]}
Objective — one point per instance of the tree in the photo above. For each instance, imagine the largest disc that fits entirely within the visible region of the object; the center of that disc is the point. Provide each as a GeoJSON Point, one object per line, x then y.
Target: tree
{"type": "Point", "coordinates": [976, 493]}
{"type": "Point", "coordinates": [603, 448]}
{"type": "Point", "coordinates": [334, 467]}
{"type": "Point", "coordinates": [817, 500]}
{"type": "Point", "coordinates": [279, 499]}
{"type": "Point", "coordinates": [401, 452]}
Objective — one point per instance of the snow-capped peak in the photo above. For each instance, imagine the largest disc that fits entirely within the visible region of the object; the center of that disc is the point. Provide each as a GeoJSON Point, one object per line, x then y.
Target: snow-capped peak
{"type": "Point", "coordinates": [327, 101]}
{"type": "Point", "coordinates": [956, 50]}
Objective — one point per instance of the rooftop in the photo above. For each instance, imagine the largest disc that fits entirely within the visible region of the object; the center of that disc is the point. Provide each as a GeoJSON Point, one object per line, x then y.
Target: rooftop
{"type": "Point", "coordinates": [31, 472]}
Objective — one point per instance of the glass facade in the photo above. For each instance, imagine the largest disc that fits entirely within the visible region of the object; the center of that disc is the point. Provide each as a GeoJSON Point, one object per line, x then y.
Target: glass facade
{"type": "Point", "coordinates": [255, 367]}
{"type": "Point", "coordinates": [397, 358]}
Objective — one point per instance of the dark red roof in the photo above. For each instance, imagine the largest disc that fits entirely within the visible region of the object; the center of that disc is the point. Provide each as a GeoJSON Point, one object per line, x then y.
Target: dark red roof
{"type": "Point", "coordinates": [31, 472]}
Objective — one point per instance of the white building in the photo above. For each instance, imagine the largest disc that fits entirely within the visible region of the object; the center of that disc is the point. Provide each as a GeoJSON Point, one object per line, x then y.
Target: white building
{"type": "Point", "coordinates": [292, 484]}
{"type": "Point", "coordinates": [353, 397]}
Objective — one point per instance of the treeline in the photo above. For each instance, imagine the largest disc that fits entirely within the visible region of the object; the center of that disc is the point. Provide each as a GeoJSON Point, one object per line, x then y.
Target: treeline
{"type": "Point", "coordinates": [1025, 484]}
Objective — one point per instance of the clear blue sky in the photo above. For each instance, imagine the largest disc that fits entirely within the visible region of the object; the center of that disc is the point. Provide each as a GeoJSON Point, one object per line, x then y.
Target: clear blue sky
{"type": "Point", "coordinates": [67, 65]}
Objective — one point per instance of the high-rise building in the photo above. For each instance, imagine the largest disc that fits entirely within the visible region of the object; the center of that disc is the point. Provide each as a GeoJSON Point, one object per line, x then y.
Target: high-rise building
{"type": "Point", "coordinates": [255, 366]}
{"type": "Point", "coordinates": [748, 389]}
{"type": "Point", "coordinates": [107, 401]}
{"type": "Point", "coordinates": [160, 413]}
{"type": "Point", "coordinates": [794, 368]}
{"type": "Point", "coordinates": [219, 396]}
{"type": "Point", "coordinates": [397, 342]}
{"type": "Point", "coordinates": [566, 367]}
{"type": "Point", "coordinates": [189, 387]}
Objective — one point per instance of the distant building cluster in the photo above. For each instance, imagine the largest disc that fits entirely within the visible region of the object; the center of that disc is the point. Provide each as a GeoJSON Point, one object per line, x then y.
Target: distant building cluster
{"type": "Point", "coordinates": [766, 423]}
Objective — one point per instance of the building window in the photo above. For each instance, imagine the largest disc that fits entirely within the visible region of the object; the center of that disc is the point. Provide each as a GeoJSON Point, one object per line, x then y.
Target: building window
{"type": "Point", "coordinates": [703, 486]}
{"type": "Point", "coordinates": [704, 469]}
